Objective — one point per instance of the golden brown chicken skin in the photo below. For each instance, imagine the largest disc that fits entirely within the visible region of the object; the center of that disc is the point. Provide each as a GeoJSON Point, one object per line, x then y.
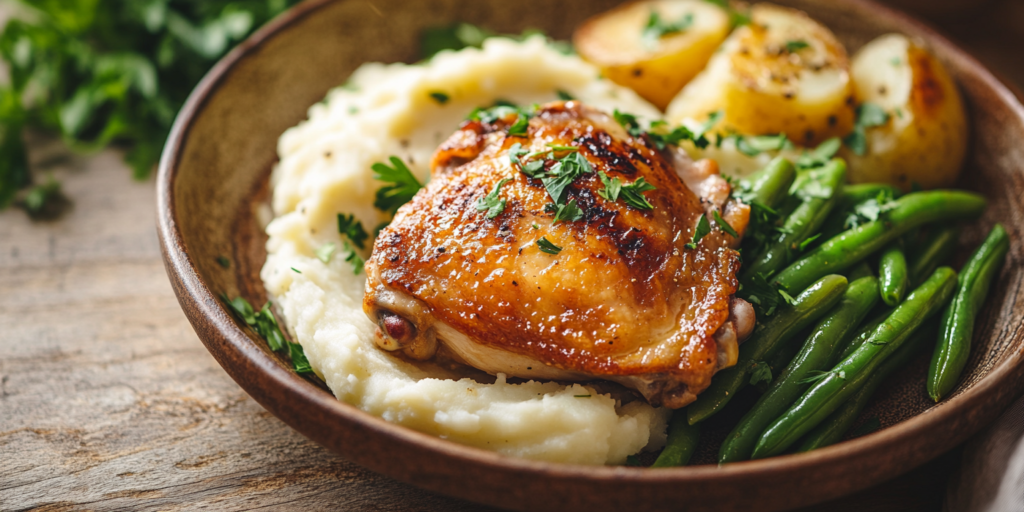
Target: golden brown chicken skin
{"type": "Point", "coordinates": [624, 298]}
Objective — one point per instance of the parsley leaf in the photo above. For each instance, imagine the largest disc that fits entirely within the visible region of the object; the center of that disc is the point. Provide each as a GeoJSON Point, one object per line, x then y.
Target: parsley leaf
{"type": "Point", "coordinates": [820, 155]}
{"type": "Point", "coordinates": [440, 97]}
{"type": "Point", "coordinates": [563, 173]}
{"type": "Point", "coordinates": [568, 212]}
{"type": "Point", "coordinates": [325, 251]}
{"type": "Point", "coordinates": [402, 189]}
{"type": "Point", "coordinates": [755, 145]}
{"type": "Point", "coordinates": [491, 202]}
{"type": "Point", "coordinates": [796, 45]}
{"type": "Point", "coordinates": [519, 128]}
{"type": "Point", "coordinates": [723, 225]}
{"type": "Point", "coordinates": [656, 28]}
{"type": "Point", "coordinates": [760, 372]}
{"type": "Point", "coordinates": [265, 324]}
{"type": "Point", "coordinates": [761, 294]}
{"type": "Point", "coordinates": [564, 96]}
{"type": "Point", "coordinates": [611, 189]}
{"type": "Point", "coordinates": [871, 210]}
{"type": "Point", "coordinates": [702, 229]}
{"type": "Point", "coordinates": [546, 246]}
{"type": "Point", "coordinates": [787, 297]}
{"type": "Point", "coordinates": [223, 262]}
{"type": "Point", "coordinates": [633, 194]}
{"type": "Point", "coordinates": [353, 229]}
{"type": "Point", "coordinates": [354, 258]}
{"type": "Point", "coordinates": [869, 115]}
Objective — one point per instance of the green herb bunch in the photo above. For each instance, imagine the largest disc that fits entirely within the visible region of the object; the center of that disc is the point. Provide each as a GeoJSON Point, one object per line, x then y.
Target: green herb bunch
{"type": "Point", "coordinates": [102, 72]}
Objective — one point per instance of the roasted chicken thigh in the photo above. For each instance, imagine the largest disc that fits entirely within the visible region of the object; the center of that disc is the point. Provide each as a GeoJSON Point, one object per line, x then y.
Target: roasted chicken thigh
{"type": "Point", "coordinates": [510, 271]}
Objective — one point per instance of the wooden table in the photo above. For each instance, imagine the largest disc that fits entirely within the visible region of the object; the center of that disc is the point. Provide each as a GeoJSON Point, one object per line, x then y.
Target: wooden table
{"type": "Point", "coordinates": [109, 401]}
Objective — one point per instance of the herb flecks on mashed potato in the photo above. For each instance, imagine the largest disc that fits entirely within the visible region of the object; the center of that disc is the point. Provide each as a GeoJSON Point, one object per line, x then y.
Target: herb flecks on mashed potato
{"type": "Point", "coordinates": [327, 169]}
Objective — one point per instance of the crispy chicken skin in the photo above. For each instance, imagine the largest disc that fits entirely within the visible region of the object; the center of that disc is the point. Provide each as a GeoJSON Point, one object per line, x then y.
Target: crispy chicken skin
{"type": "Point", "coordinates": [624, 299]}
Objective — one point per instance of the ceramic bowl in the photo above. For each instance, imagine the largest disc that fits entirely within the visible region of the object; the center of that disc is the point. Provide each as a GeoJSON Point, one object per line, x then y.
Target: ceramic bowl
{"type": "Point", "coordinates": [213, 181]}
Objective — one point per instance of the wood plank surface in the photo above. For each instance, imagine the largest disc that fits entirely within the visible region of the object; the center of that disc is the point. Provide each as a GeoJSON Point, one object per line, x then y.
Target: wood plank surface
{"type": "Point", "coordinates": [108, 400]}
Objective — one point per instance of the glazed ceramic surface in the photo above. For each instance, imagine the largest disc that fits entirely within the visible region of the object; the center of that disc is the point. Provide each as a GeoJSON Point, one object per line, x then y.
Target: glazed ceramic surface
{"type": "Point", "coordinates": [212, 192]}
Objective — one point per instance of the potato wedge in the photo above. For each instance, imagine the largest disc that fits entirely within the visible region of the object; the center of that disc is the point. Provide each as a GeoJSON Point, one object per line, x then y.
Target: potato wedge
{"type": "Point", "coordinates": [782, 73]}
{"type": "Point", "coordinates": [924, 140]}
{"type": "Point", "coordinates": [654, 63]}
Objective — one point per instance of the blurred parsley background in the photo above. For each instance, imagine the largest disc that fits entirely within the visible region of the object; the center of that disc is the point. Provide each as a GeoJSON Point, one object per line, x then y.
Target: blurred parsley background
{"type": "Point", "coordinates": [102, 72]}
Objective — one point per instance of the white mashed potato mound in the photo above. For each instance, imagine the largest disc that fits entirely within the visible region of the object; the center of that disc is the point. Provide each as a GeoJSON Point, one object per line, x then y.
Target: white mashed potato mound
{"type": "Point", "coordinates": [325, 169]}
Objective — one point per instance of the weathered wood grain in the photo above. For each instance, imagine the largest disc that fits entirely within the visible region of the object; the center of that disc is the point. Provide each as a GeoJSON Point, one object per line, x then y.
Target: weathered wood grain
{"type": "Point", "coordinates": [108, 400]}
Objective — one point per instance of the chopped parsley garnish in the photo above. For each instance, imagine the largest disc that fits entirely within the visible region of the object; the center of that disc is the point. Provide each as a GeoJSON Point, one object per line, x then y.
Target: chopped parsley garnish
{"type": "Point", "coordinates": [224, 262]}
{"type": "Point", "coordinates": [559, 148]}
{"type": "Point", "coordinates": [723, 225]}
{"type": "Point", "coordinates": [611, 189]}
{"type": "Point", "coordinates": [353, 229]}
{"type": "Point", "coordinates": [869, 115]}
{"type": "Point", "coordinates": [820, 155]}
{"type": "Point", "coordinates": [297, 271]}
{"type": "Point", "coordinates": [264, 323]}
{"type": "Point", "coordinates": [760, 372]}
{"type": "Point", "coordinates": [402, 188]}
{"type": "Point", "coordinates": [703, 228]}
{"type": "Point", "coordinates": [796, 45]}
{"type": "Point", "coordinates": [354, 258]}
{"type": "Point", "coordinates": [656, 28]}
{"type": "Point", "coordinates": [660, 136]}
{"type": "Point", "coordinates": [568, 212]}
{"type": "Point", "coordinates": [564, 96]}
{"type": "Point", "coordinates": [633, 194]}
{"type": "Point", "coordinates": [325, 251]}
{"type": "Point", "coordinates": [759, 292]}
{"type": "Point", "coordinates": [736, 18]}
{"type": "Point", "coordinates": [787, 297]}
{"type": "Point", "coordinates": [563, 173]}
{"type": "Point", "coordinates": [519, 128]}
{"type": "Point", "coordinates": [546, 246]}
{"type": "Point", "coordinates": [757, 144]}
{"type": "Point", "coordinates": [440, 97]}
{"type": "Point", "coordinates": [870, 210]}
{"type": "Point", "coordinates": [492, 202]}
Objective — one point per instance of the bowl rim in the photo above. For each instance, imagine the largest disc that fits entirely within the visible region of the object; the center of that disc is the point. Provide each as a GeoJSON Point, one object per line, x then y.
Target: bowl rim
{"type": "Point", "coordinates": [235, 351]}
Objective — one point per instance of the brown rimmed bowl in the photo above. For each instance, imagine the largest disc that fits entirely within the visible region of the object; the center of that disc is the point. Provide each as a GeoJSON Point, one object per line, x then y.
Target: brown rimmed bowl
{"type": "Point", "coordinates": [213, 179]}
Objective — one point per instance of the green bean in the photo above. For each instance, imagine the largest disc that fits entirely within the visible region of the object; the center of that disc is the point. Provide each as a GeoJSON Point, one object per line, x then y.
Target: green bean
{"type": "Point", "coordinates": [682, 439]}
{"type": "Point", "coordinates": [937, 250]}
{"type": "Point", "coordinates": [853, 342]}
{"type": "Point", "coordinates": [817, 354]}
{"type": "Point", "coordinates": [852, 196]}
{"type": "Point", "coordinates": [818, 194]}
{"type": "Point", "coordinates": [851, 247]}
{"type": "Point", "coordinates": [954, 345]}
{"type": "Point", "coordinates": [766, 340]}
{"type": "Point", "coordinates": [837, 385]}
{"type": "Point", "coordinates": [834, 427]}
{"type": "Point", "coordinates": [892, 274]}
{"type": "Point", "coordinates": [770, 185]}
{"type": "Point", "coordinates": [862, 270]}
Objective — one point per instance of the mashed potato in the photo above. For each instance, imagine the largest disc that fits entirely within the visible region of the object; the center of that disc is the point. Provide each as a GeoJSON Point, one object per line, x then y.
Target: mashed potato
{"type": "Point", "coordinates": [324, 170]}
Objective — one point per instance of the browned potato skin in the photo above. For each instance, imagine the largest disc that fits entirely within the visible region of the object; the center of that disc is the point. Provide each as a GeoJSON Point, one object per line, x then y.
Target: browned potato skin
{"type": "Point", "coordinates": [611, 41]}
{"type": "Point", "coordinates": [929, 150]}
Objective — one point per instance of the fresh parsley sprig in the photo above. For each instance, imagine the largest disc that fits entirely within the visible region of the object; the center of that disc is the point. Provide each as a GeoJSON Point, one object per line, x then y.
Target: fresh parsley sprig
{"type": "Point", "coordinates": [869, 115]}
{"type": "Point", "coordinates": [265, 324]}
{"type": "Point", "coordinates": [492, 202]}
{"type": "Point", "coordinates": [657, 28]}
{"type": "Point", "coordinates": [403, 185]}
{"type": "Point", "coordinates": [703, 229]}
{"type": "Point", "coordinates": [546, 246]}
{"type": "Point", "coordinates": [353, 229]}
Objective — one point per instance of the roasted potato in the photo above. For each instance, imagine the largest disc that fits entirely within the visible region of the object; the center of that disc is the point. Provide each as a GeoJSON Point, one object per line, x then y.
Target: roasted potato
{"type": "Point", "coordinates": [924, 139]}
{"type": "Point", "coordinates": [654, 48]}
{"type": "Point", "coordinates": [782, 73]}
